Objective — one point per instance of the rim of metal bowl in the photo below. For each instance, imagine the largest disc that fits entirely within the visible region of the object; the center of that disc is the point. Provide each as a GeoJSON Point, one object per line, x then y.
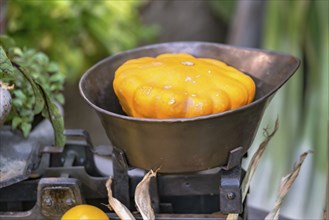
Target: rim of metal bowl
{"type": "Point", "coordinates": [172, 120]}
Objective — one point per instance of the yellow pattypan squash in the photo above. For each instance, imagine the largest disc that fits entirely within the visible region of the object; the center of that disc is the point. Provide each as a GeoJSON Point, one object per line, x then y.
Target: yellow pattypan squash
{"type": "Point", "coordinates": [180, 86]}
{"type": "Point", "coordinates": [84, 212]}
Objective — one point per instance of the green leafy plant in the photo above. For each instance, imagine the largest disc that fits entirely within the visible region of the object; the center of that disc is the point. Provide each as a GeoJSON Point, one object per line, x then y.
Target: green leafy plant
{"type": "Point", "coordinates": [37, 83]}
{"type": "Point", "coordinates": [76, 33]}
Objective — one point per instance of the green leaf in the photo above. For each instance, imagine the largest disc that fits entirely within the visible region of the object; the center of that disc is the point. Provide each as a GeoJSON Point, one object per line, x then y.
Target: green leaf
{"type": "Point", "coordinates": [52, 67]}
{"type": "Point", "coordinates": [17, 51]}
{"type": "Point", "coordinates": [52, 112]}
{"type": "Point", "coordinates": [26, 112]}
{"type": "Point", "coordinates": [17, 103]}
{"type": "Point", "coordinates": [6, 68]}
{"type": "Point", "coordinates": [26, 128]}
{"type": "Point", "coordinates": [41, 58]}
{"type": "Point", "coordinates": [39, 101]}
{"type": "Point", "coordinates": [16, 122]}
{"type": "Point", "coordinates": [60, 98]}
{"type": "Point", "coordinates": [56, 78]}
{"type": "Point", "coordinates": [55, 87]}
{"type": "Point", "coordinates": [20, 95]}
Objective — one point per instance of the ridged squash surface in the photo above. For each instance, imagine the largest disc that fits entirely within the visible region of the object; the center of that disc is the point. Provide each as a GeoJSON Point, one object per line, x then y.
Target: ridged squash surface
{"type": "Point", "coordinates": [180, 86]}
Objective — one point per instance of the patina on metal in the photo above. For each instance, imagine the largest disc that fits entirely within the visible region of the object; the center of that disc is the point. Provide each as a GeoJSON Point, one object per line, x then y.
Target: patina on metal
{"type": "Point", "coordinates": [55, 196]}
{"type": "Point", "coordinates": [186, 144]}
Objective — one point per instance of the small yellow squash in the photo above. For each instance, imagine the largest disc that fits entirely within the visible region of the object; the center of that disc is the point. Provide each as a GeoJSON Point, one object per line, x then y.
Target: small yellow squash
{"type": "Point", "coordinates": [180, 86]}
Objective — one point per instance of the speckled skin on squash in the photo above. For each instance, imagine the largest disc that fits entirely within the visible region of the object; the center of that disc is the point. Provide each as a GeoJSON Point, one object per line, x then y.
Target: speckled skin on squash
{"type": "Point", "coordinates": [180, 86]}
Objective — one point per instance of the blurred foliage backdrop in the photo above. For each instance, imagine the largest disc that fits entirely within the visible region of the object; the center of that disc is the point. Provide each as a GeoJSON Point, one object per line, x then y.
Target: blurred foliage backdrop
{"type": "Point", "coordinates": [79, 33]}
{"type": "Point", "coordinates": [299, 28]}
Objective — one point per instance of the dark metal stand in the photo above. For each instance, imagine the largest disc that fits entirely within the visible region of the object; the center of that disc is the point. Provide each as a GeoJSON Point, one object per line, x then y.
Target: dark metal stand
{"type": "Point", "coordinates": [227, 185]}
{"type": "Point", "coordinates": [69, 177]}
{"type": "Point", "coordinates": [230, 183]}
{"type": "Point", "coordinates": [121, 189]}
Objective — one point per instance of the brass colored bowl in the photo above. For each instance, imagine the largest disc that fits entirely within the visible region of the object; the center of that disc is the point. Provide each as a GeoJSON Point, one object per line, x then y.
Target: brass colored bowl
{"type": "Point", "coordinates": [186, 144]}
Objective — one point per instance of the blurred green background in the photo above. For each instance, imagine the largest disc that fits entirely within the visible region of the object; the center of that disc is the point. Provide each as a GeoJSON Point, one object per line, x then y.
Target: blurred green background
{"type": "Point", "coordinates": [77, 34]}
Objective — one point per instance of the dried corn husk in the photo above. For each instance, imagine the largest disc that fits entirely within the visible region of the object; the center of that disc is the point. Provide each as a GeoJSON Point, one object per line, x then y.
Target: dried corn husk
{"type": "Point", "coordinates": [121, 210]}
{"type": "Point", "coordinates": [286, 183]}
{"type": "Point", "coordinates": [252, 167]}
{"type": "Point", "coordinates": [232, 216]}
{"type": "Point", "coordinates": [142, 197]}
{"type": "Point", "coordinates": [255, 160]}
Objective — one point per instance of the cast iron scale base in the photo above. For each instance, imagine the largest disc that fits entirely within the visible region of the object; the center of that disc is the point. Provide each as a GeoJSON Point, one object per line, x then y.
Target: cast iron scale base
{"type": "Point", "coordinates": [62, 179]}
{"type": "Point", "coordinates": [213, 191]}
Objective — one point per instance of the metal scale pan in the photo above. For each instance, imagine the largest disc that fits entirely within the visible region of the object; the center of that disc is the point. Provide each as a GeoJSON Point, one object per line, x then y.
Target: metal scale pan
{"type": "Point", "coordinates": [186, 144]}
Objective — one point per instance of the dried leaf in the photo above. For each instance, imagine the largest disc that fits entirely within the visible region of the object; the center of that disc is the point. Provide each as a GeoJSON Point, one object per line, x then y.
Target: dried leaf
{"type": "Point", "coordinates": [6, 85]}
{"type": "Point", "coordinates": [286, 183]}
{"type": "Point", "coordinates": [121, 210]}
{"type": "Point", "coordinates": [252, 167]}
{"type": "Point", "coordinates": [232, 216]}
{"type": "Point", "coordinates": [142, 197]}
{"type": "Point", "coordinates": [255, 160]}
